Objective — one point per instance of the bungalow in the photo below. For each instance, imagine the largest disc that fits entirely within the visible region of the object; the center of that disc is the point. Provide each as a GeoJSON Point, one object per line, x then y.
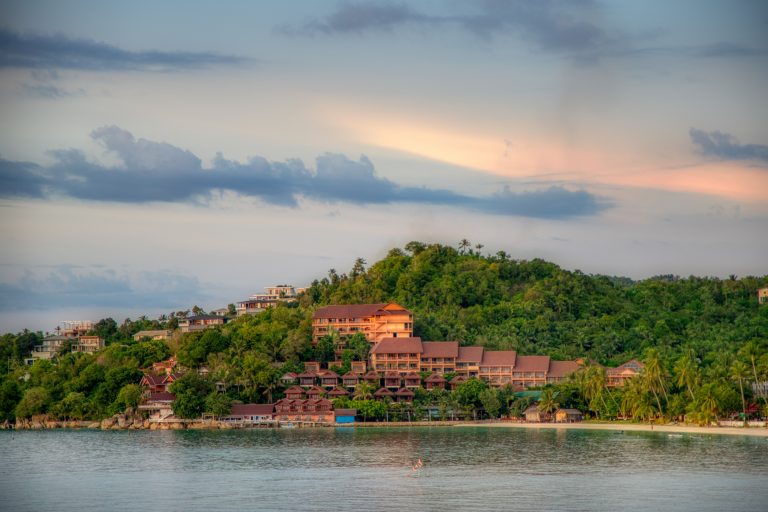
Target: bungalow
{"type": "Point", "coordinates": [568, 415]}
{"type": "Point", "coordinates": [372, 377]}
{"type": "Point", "coordinates": [315, 410]}
{"type": "Point", "coordinates": [294, 393]}
{"type": "Point", "coordinates": [392, 379]}
{"type": "Point", "coordinates": [383, 393]}
{"type": "Point", "coordinates": [435, 381]}
{"type": "Point", "coordinates": [404, 395]}
{"type": "Point", "coordinates": [457, 381]}
{"type": "Point", "coordinates": [329, 379]}
{"type": "Point", "coordinates": [289, 378]}
{"type": "Point", "coordinates": [533, 415]}
{"type": "Point", "coordinates": [159, 406]}
{"type": "Point", "coordinates": [50, 347]}
{"type": "Point", "coordinates": [412, 380]}
{"type": "Point", "coordinates": [153, 383]}
{"type": "Point", "coordinates": [337, 393]}
{"type": "Point", "coordinates": [307, 379]}
{"type": "Point", "coordinates": [357, 366]}
{"type": "Point", "coordinates": [251, 414]}
{"type": "Point", "coordinates": [315, 392]}
{"type": "Point", "coordinates": [351, 379]}
{"type": "Point", "coordinates": [312, 366]}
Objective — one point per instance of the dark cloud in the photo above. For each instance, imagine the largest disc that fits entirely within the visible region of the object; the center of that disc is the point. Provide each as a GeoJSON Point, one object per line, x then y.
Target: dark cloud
{"type": "Point", "coordinates": [49, 91]}
{"type": "Point", "coordinates": [68, 287]}
{"type": "Point", "coordinates": [154, 171]}
{"type": "Point", "coordinates": [62, 52]}
{"type": "Point", "coordinates": [550, 24]}
{"type": "Point", "coordinates": [724, 145]}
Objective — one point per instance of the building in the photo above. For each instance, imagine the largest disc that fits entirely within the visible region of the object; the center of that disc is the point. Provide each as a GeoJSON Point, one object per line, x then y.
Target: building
{"type": "Point", "coordinates": [345, 416]}
{"type": "Point", "coordinates": [200, 322]}
{"type": "Point", "coordinates": [88, 344]}
{"type": "Point", "coordinates": [251, 414]}
{"type": "Point", "coordinates": [375, 321]}
{"type": "Point", "coordinates": [160, 335]}
{"type": "Point", "coordinates": [762, 296]}
{"type": "Point", "coordinates": [616, 377]}
{"type": "Point", "coordinates": [533, 414]}
{"type": "Point", "coordinates": [568, 416]}
{"type": "Point", "coordinates": [274, 295]}
{"type": "Point", "coordinates": [497, 367]}
{"type": "Point", "coordinates": [313, 410]}
{"type": "Point", "coordinates": [76, 328]}
{"type": "Point", "coordinates": [50, 347]}
{"type": "Point", "coordinates": [159, 405]}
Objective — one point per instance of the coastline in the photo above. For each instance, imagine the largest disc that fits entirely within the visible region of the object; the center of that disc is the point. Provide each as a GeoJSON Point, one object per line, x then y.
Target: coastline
{"type": "Point", "coordinates": [628, 427]}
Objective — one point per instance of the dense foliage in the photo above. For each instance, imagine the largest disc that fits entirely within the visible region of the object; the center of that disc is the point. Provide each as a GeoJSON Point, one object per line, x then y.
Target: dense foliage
{"type": "Point", "coordinates": [703, 341]}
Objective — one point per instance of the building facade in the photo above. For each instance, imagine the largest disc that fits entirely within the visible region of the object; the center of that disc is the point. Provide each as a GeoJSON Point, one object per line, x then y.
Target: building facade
{"type": "Point", "coordinates": [375, 321]}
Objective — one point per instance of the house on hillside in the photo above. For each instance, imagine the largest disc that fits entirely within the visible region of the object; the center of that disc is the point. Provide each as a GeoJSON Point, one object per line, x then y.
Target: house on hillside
{"type": "Point", "coordinates": [200, 322]}
{"type": "Point", "coordinates": [616, 377]}
{"type": "Point", "coordinates": [374, 321]}
{"type": "Point", "coordinates": [158, 334]}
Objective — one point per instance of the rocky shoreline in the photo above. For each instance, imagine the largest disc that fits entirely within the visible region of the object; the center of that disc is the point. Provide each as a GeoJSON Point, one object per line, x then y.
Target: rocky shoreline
{"type": "Point", "coordinates": [116, 422]}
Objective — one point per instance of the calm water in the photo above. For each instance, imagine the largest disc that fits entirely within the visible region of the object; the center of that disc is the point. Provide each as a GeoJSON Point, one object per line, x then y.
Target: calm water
{"type": "Point", "coordinates": [370, 469]}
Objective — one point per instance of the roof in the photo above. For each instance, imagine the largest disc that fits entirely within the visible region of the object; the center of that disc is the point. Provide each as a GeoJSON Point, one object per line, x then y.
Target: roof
{"type": "Point", "coordinates": [440, 349]}
{"type": "Point", "coordinates": [315, 390]}
{"type": "Point", "coordinates": [412, 375]}
{"type": "Point", "coordinates": [435, 377]}
{"type": "Point", "coordinates": [338, 392]}
{"type": "Point", "coordinates": [357, 310]}
{"type": "Point", "coordinates": [470, 354]}
{"type": "Point", "coordinates": [307, 375]}
{"type": "Point", "coordinates": [398, 346]}
{"type": "Point", "coordinates": [458, 379]}
{"type": "Point", "coordinates": [346, 412]}
{"type": "Point", "coordinates": [532, 409]}
{"type": "Point", "coordinates": [404, 392]}
{"type": "Point", "coordinates": [252, 409]}
{"type": "Point", "coordinates": [294, 389]}
{"type": "Point", "coordinates": [383, 392]}
{"type": "Point", "coordinates": [352, 375]}
{"type": "Point", "coordinates": [562, 368]}
{"type": "Point", "coordinates": [372, 375]}
{"type": "Point", "coordinates": [532, 364]}
{"type": "Point", "coordinates": [161, 332]}
{"type": "Point", "coordinates": [568, 411]}
{"type": "Point", "coordinates": [328, 374]}
{"type": "Point", "coordinates": [499, 358]}
{"type": "Point", "coordinates": [633, 366]}
{"type": "Point", "coordinates": [55, 337]}
{"type": "Point", "coordinates": [204, 317]}
{"type": "Point", "coordinates": [154, 380]}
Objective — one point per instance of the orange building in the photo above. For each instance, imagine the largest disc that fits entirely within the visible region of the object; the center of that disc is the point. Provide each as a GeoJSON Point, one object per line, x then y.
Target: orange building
{"type": "Point", "coordinates": [616, 377]}
{"type": "Point", "coordinates": [375, 321]}
{"type": "Point", "coordinates": [400, 354]}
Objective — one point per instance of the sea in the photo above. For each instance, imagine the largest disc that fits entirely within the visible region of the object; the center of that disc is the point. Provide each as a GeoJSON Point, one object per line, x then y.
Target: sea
{"type": "Point", "coordinates": [372, 469]}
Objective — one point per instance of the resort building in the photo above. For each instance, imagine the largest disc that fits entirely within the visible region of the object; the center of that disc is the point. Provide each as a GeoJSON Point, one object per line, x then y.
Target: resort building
{"type": "Point", "coordinates": [88, 344]}
{"type": "Point", "coordinates": [274, 295]}
{"type": "Point", "coordinates": [200, 322]}
{"type": "Point", "coordinates": [762, 296]}
{"type": "Point", "coordinates": [313, 410]}
{"type": "Point", "coordinates": [50, 347]}
{"type": "Point", "coordinates": [76, 328]}
{"type": "Point", "coordinates": [250, 414]}
{"type": "Point", "coordinates": [375, 321]}
{"type": "Point", "coordinates": [403, 356]}
{"type": "Point", "coordinates": [159, 335]}
{"type": "Point", "coordinates": [616, 377]}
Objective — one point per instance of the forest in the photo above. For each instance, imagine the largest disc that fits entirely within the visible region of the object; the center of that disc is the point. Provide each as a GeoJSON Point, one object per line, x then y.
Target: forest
{"type": "Point", "coordinates": [702, 339]}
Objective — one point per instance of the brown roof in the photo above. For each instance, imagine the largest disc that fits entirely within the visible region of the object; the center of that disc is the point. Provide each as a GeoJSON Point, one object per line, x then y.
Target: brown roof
{"type": "Point", "coordinates": [355, 310]}
{"type": "Point", "coordinates": [435, 377]}
{"type": "Point", "coordinates": [252, 409]}
{"type": "Point", "coordinates": [458, 379]}
{"type": "Point", "coordinates": [328, 374]}
{"type": "Point", "coordinates": [315, 390]}
{"type": "Point", "coordinates": [631, 366]}
{"type": "Point", "coordinates": [307, 375]}
{"type": "Point", "coordinates": [440, 348]}
{"type": "Point", "coordinates": [383, 392]}
{"type": "Point", "coordinates": [391, 374]}
{"type": "Point", "coordinates": [562, 368]}
{"type": "Point", "coordinates": [294, 389]}
{"type": "Point", "coordinates": [532, 364]}
{"type": "Point", "coordinates": [372, 375]}
{"type": "Point", "coordinates": [404, 392]}
{"type": "Point", "coordinates": [346, 412]}
{"type": "Point", "coordinates": [398, 346]}
{"type": "Point", "coordinates": [412, 375]}
{"type": "Point", "coordinates": [154, 380]}
{"type": "Point", "coordinates": [338, 392]}
{"type": "Point", "coordinates": [351, 375]}
{"type": "Point", "coordinates": [499, 358]}
{"type": "Point", "coordinates": [470, 354]}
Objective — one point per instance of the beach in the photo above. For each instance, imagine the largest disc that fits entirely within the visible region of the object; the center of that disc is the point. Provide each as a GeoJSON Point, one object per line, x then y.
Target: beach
{"type": "Point", "coordinates": [629, 427]}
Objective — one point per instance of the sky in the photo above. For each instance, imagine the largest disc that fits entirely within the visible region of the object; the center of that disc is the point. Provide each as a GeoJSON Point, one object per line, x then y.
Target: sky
{"type": "Point", "coordinates": [160, 155]}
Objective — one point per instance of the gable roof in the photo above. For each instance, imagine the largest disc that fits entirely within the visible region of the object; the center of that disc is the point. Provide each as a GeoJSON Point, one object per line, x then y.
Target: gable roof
{"type": "Point", "coordinates": [499, 358]}
{"type": "Point", "coordinates": [294, 389]}
{"type": "Point", "coordinates": [358, 310]}
{"type": "Point", "coordinates": [562, 368]}
{"type": "Point", "coordinates": [472, 354]}
{"type": "Point", "coordinates": [440, 349]}
{"type": "Point", "coordinates": [404, 392]}
{"type": "Point", "coordinates": [346, 412]}
{"type": "Point", "coordinates": [153, 380]}
{"type": "Point", "coordinates": [532, 364]}
{"type": "Point", "coordinates": [383, 392]}
{"type": "Point", "coordinates": [398, 346]}
{"type": "Point", "coordinates": [434, 378]}
{"type": "Point", "coordinates": [338, 392]}
{"type": "Point", "coordinates": [161, 397]}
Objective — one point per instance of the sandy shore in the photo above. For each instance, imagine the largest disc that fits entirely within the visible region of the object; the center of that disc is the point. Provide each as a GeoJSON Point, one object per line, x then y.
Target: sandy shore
{"type": "Point", "coordinates": [630, 427]}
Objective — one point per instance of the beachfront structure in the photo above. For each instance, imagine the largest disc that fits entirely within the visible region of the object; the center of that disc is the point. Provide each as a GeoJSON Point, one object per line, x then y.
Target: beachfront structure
{"type": "Point", "coordinates": [568, 415]}
{"type": "Point", "coordinates": [375, 321]}
{"type": "Point", "coordinates": [616, 377]}
{"type": "Point", "coordinates": [250, 414]}
{"type": "Point", "coordinates": [274, 295]}
{"type": "Point", "coordinates": [158, 335]}
{"type": "Point", "coordinates": [313, 410]}
{"type": "Point", "coordinates": [158, 405]}
{"type": "Point", "coordinates": [88, 344]}
{"type": "Point", "coordinates": [200, 322]}
{"type": "Point", "coordinates": [404, 356]}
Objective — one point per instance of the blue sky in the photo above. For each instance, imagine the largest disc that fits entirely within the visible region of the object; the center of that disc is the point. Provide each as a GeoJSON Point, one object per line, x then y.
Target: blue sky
{"type": "Point", "coordinates": [153, 157]}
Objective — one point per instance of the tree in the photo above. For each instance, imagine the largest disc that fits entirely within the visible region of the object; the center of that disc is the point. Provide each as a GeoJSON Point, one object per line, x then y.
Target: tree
{"type": "Point", "coordinates": [128, 397]}
{"type": "Point", "coordinates": [548, 401]}
{"type": "Point", "coordinates": [35, 401]}
{"type": "Point", "coordinates": [10, 394]}
{"type": "Point", "coordinates": [231, 310]}
{"type": "Point", "coordinates": [73, 407]}
{"type": "Point", "coordinates": [364, 391]}
{"type": "Point", "coordinates": [218, 404]}
{"type": "Point", "coordinates": [740, 373]}
{"type": "Point", "coordinates": [687, 373]}
{"type": "Point", "coordinates": [491, 403]}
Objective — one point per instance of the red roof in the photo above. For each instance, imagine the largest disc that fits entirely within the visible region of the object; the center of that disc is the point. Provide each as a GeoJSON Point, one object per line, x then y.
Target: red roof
{"type": "Point", "coordinates": [372, 375]}
{"type": "Point", "coordinates": [391, 374]}
{"type": "Point", "coordinates": [404, 392]}
{"type": "Point", "coordinates": [328, 374]}
{"type": "Point", "coordinates": [307, 375]}
{"type": "Point", "coordinates": [153, 380]}
{"type": "Point", "coordinates": [562, 368]}
{"type": "Point", "coordinates": [532, 364]}
{"type": "Point", "coordinates": [338, 392]}
{"type": "Point", "coordinates": [351, 375]}
{"type": "Point", "coordinates": [459, 379]}
{"type": "Point", "coordinates": [252, 409]}
{"type": "Point", "coordinates": [383, 392]}
{"type": "Point", "coordinates": [440, 349]}
{"type": "Point", "coordinates": [499, 358]}
{"type": "Point", "coordinates": [412, 375]}
{"type": "Point", "coordinates": [470, 354]}
{"type": "Point", "coordinates": [357, 310]}
{"type": "Point", "coordinates": [435, 378]}
{"type": "Point", "coordinates": [398, 346]}
{"type": "Point", "coordinates": [315, 390]}
{"type": "Point", "coordinates": [294, 389]}
{"type": "Point", "coordinates": [345, 412]}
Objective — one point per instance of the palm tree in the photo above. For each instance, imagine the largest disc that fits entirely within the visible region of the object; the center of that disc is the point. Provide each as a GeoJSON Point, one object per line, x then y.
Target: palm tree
{"type": "Point", "coordinates": [752, 352]}
{"type": "Point", "coordinates": [653, 376]}
{"type": "Point", "coordinates": [363, 391]}
{"type": "Point", "coordinates": [463, 245]}
{"type": "Point", "coordinates": [707, 406]}
{"type": "Point", "coordinates": [547, 401]}
{"type": "Point", "coordinates": [739, 373]}
{"type": "Point", "coordinates": [687, 372]}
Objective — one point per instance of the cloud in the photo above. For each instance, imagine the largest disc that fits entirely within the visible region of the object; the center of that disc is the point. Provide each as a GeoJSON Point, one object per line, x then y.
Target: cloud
{"type": "Point", "coordinates": [724, 145]}
{"type": "Point", "coordinates": [48, 91]}
{"type": "Point", "coordinates": [34, 51]}
{"type": "Point", "coordinates": [550, 24]}
{"type": "Point", "coordinates": [70, 287]}
{"type": "Point", "coordinates": [157, 171]}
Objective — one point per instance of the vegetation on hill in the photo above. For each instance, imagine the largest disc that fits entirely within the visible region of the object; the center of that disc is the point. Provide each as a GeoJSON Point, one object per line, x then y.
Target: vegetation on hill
{"type": "Point", "coordinates": [703, 340]}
